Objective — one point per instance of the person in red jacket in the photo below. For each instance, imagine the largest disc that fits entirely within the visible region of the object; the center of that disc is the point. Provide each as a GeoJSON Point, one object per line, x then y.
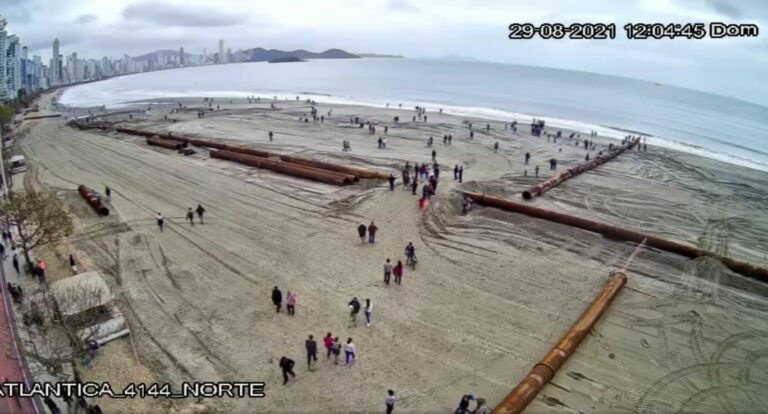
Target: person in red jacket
{"type": "Point", "coordinates": [398, 271]}
{"type": "Point", "coordinates": [328, 342]}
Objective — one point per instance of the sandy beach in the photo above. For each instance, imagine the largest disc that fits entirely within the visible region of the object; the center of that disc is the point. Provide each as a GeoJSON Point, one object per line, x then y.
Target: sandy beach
{"type": "Point", "coordinates": [493, 290]}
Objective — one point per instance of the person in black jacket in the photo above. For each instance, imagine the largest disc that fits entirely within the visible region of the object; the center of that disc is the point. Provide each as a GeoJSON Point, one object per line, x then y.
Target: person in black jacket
{"type": "Point", "coordinates": [277, 298]}
{"type": "Point", "coordinates": [354, 309]}
{"type": "Point", "coordinates": [286, 365]}
{"type": "Point", "coordinates": [361, 230]}
{"type": "Point", "coordinates": [311, 346]}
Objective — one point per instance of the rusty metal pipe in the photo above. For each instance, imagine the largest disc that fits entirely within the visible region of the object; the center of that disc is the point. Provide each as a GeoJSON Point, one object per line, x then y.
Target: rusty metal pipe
{"type": "Point", "coordinates": [165, 143]}
{"type": "Point", "coordinates": [607, 230]}
{"type": "Point", "coordinates": [92, 197]}
{"type": "Point", "coordinates": [520, 396]}
{"type": "Point", "coordinates": [347, 170]}
{"type": "Point", "coordinates": [542, 187]}
{"type": "Point", "coordinates": [283, 167]}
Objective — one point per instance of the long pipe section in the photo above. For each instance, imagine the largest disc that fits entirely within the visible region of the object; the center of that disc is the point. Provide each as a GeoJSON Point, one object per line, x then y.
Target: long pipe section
{"type": "Point", "coordinates": [165, 143]}
{"type": "Point", "coordinates": [540, 188]}
{"type": "Point", "coordinates": [359, 172]}
{"type": "Point", "coordinates": [545, 370]}
{"type": "Point", "coordinates": [283, 167]}
{"type": "Point", "coordinates": [94, 199]}
{"type": "Point", "coordinates": [744, 268]}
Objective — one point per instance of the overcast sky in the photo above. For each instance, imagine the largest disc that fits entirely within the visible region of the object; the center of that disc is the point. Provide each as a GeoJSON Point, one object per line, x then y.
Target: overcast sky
{"type": "Point", "coordinates": [474, 29]}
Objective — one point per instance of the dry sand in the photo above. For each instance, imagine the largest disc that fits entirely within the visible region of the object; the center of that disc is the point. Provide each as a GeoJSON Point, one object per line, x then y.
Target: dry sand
{"type": "Point", "coordinates": [493, 290]}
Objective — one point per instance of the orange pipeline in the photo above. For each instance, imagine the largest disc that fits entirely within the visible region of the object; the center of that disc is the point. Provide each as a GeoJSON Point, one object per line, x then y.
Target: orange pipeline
{"type": "Point", "coordinates": [738, 266]}
{"type": "Point", "coordinates": [540, 188]}
{"type": "Point", "coordinates": [93, 199]}
{"type": "Point", "coordinates": [285, 167]}
{"type": "Point", "coordinates": [543, 372]}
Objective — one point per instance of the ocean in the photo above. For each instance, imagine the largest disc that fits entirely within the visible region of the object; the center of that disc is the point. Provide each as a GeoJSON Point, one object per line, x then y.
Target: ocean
{"type": "Point", "coordinates": [704, 124]}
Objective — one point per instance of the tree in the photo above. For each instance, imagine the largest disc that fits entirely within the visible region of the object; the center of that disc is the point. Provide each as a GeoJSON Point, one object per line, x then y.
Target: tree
{"type": "Point", "coordinates": [6, 114]}
{"type": "Point", "coordinates": [38, 217]}
{"type": "Point", "coordinates": [60, 321]}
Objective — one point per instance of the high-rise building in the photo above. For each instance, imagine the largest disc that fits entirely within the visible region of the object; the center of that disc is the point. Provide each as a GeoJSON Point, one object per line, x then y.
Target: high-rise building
{"type": "Point", "coordinates": [181, 56]}
{"type": "Point", "coordinates": [14, 81]}
{"type": "Point", "coordinates": [222, 58]}
{"type": "Point", "coordinates": [56, 64]}
{"type": "Point", "coordinates": [3, 66]}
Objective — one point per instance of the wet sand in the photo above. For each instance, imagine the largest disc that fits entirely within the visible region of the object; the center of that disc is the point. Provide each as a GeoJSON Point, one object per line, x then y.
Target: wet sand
{"type": "Point", "coordinates": [493, 290]}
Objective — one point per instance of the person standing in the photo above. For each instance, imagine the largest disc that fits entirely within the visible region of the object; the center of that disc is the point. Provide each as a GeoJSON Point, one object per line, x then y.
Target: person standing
{"type": "Point", "coordinates": [328, 343]}
{"type": "Point", "coordinates": [190, 216]}
{"type": "Point", "coordinates": [286, 365]}
{"type": "Point", "coordinates": [368, 312]}
{"type": "Point", "coordinates": [2, 252]}
{"type": "Point", "coordinates": [277, 298]}
{"type": "Point", "coordinates": [482, 407]}
{"type": "Point", "coordinates": [290, 303]}
{"type": "Point", "coordinates": [390, 402]}
{"type": "Point", "coordinates": [270, 136]}
{"type": "Point", "coordinates": [200, 212]}
{"type": "Point", "coordinates": [354, 309]}
{"type": "Point", "coordinates": [311, 346]}
{"type": "Point", "coordinates": [391, 182]}
{"type": "Point", "coordinates": [398, 271]}
{"type": "Point", "coordinates": [434, 155]}
{"type": "Point", "coordinates": [361, 230]}
{"type": "Point", "coordinates": [456, 172]}
{"type": "Point", "coordinates": [496, 147]}
{"type": "Point", "coordinates": [536, 171]}
{"type": "Point", "coordinates": [350, 353]}
{"type": "Point", "coordinates": [16, 263]}
{"type": "Point", "coordinates": [461, 174]}
{"type": "Point", "coordinates": [387, 271]}
{"type": "Point", "coordinates": [336, 350]}
{"type": "Point", "coordinates": [72, 264]}
{"type": "Point", "coordinates": [108, 193]}
{"type": "Point", "coordinates": [414, 184]}
{"type": "Point", "coordinates": [527, 157]}
{"type": "Point", "coordinates": [372, 232]}
{"type": "Point", "coordinates": [160, 221]}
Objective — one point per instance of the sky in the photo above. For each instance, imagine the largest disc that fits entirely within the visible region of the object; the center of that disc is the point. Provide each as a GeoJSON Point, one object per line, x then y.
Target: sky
{"type": "Point", "coordinates": [473, 29]}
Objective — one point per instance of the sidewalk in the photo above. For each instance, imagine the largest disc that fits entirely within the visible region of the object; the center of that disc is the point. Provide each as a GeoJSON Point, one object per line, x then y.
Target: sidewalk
{"type": "Point", "coordinates": [12, 366]}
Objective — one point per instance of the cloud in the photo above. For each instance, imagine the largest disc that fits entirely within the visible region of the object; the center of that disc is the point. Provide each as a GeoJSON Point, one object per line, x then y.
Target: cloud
{"type": "Point", "coordinates": [403, 6]}
{"type": "Point", "coordinates": [725, 8]}
{"type": "Point", "coordinates": [86, 18]}
{"type": "Point", "coordinates": [168, 15]}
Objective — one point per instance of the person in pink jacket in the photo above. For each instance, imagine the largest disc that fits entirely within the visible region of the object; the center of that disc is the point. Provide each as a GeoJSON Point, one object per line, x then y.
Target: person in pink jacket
{"type": "Point", "coordinates": [291, 303]}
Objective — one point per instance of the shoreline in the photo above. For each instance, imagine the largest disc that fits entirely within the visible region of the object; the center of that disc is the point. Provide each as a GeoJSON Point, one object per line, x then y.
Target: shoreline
{"type": "Point", "coordinates": [470, 112]}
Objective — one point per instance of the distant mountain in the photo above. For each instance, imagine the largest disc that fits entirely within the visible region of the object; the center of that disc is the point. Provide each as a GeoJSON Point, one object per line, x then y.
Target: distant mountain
{"type": "Point", "coordinates": [376, 55]}
{"type": "Point", "coordinates": [260, 55]}
{"type": "Point", "coordinates": [286, 59]}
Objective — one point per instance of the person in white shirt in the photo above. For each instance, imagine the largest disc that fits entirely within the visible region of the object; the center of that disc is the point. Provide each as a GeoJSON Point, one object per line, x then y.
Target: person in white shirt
{"type": "Point", "coordinates": [387, 271]}
{"type": "Point", "coordinates": [350, 353]}
{"type": "Point", "coordinates": [368, 311]}
{"type": "Point", "coordinates": [390, 401]}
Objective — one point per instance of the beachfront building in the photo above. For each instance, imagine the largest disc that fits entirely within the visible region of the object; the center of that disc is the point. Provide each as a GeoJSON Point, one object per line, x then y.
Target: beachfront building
{"type": "Point", "coordinates": [13, 67]}
{"type": "Point", "coordinates": [3, 66]}
{"type": "Point", "coordinates": [56, 64]}
{"type": "Point", "coordinates": [222, 58]}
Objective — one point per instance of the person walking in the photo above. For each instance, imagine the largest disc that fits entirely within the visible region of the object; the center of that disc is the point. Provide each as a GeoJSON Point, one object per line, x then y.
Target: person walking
{"type": "Point", "coordinates": [277, 298]}
{"type": "Point", "coordinates": [16, 263]}
{"type": "Point", "coordinates": [536, 171]}
{"type": "Point", "coordinates": [461, 174]}
{"type": "Point", "coordinates": [368, 312]}
{"type": "Point", "coordinates": [72, 264]}
{"type": "Point", "coordinates": [2, 252]}
{"type": "Point", "coordinates": [496, 147]}
{"type": "Point", "coordinates": [372, 232]}
{"type": "Point", "coordinates": [328, 343]}
{"type": "Point", "coordinates": [354, 309]}
{"type": "Point", "coordinates": [456, 172]}
{"type": "Point", "coordinates": [361, 230]}
{"type": "Point", "coordinates": [391, 182]}
{"type": "Point", "coordinates": [414, 184]}
{"type": "Point", "coordinates": [527, 157]}
{"type": "Point", "coordinates": [387, 271]}
{"type": "Point", "coordinates": [160, 221]}
{"type": "Point", "coordinates": [434, 155]}
{"type": "Point", "coordinates": [398, 271]}
{"type": "Point", "coordinates": [108, 193]}
{"type": "Point", "coordinates": [286, 365]}
{"type": "Point", "coordinates": [191, 216]}
{"type": "Point", "coordinates": [200, 211]}
{"type": "Point", "coordinates": [270, 136]}
{"type": "Point", "coordinates": [350, 353]}
{"type": "Point", "coordinates": [311, 346]}
{"type": "Point", "coordinates": [336, 350]}
{"type": "Point", "coordinates": [390, 401]}
{"type": "Point", "coordinates": [290, 303]}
